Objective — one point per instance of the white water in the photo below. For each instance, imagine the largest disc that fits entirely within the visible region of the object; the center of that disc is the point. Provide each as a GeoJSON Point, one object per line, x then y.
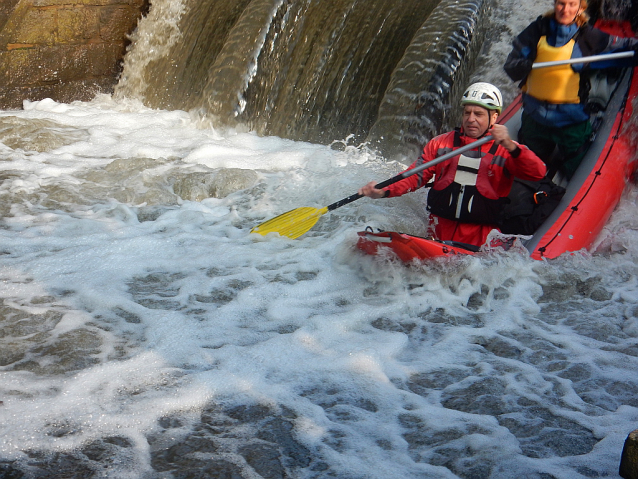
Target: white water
{"type": "Point", "coordinates": [127, 310]}
{"type": "Point", "coordinates": [113, 322]}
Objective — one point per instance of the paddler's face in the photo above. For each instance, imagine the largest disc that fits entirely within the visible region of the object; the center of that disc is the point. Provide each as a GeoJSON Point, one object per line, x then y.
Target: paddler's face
{"type": "Point", "coordinates": [477, 120]}
{"type": "Point", "coordinates": [566, 11]}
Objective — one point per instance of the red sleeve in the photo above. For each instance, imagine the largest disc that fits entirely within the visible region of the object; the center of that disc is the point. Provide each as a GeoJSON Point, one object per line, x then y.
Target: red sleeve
{"type": "Point", "coordinates": [526, 166]}
{"type": "Point", "coordinates": [418, 180]}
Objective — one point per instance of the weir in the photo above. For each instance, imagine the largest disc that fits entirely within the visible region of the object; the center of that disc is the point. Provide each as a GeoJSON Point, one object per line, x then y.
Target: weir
{"type": "Point", "coordinates": [373, 70]}
{"type": "Point", "coordinates": [430, 77]}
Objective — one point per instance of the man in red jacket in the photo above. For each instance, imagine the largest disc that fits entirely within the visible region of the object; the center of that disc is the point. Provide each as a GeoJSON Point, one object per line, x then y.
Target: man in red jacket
{"type": "Point", "coordinates": [469, 190]}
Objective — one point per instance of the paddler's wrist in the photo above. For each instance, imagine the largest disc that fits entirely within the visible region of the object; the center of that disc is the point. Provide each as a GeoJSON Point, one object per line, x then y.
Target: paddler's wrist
{"type": "Point", "coordinates": [512, 147]}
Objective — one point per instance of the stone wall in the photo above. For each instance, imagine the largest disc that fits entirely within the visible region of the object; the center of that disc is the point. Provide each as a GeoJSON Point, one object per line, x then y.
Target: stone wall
{"type": "Point", "coordinates": [63, 49]}
{"type": "Point", "coordinates": [629, 458]}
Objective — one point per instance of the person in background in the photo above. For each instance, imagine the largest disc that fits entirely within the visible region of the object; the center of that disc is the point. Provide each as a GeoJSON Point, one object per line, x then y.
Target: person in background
{"type": "Point", "coordinates": [554, 98]}
{"type": "Point", "coordinates": [469, 190]}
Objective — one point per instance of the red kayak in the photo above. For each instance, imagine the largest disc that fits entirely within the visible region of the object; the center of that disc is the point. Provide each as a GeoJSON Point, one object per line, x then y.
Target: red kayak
{"type": "Point", "coordinates": [586, 201]}
{"type": "Point", "coordinates": [408, 247]}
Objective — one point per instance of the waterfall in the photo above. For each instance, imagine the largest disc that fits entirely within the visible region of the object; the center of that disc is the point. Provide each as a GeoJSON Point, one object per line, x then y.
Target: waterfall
{"type": "Point", "coordinates": [375, 70]}
{"type": "Point", "coordinates": [430, 78]}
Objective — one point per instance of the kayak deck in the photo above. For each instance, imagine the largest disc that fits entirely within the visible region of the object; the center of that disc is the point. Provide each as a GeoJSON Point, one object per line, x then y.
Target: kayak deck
{"type": "Point", "coordinates": [408, 247]}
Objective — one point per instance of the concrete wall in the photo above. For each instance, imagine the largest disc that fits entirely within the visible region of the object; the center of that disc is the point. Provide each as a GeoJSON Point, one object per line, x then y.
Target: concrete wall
{"type": "Point", "coordinates": [62, 49]}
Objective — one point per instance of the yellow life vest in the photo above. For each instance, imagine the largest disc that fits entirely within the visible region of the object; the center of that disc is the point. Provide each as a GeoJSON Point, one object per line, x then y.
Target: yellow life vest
{"type": "Point", "coordinates": [557, 84]}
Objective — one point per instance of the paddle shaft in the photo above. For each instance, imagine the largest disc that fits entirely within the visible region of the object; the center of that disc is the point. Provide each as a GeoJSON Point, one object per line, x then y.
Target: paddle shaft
{"type": "Point", "coordinates": [589, 59]}
{"type": "Point", "coordinates": [412, 171]}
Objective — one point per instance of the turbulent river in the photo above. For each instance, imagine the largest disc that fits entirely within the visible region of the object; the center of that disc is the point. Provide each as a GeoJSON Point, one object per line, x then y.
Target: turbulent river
{"type": "Point", "coordinates": [144, 333]}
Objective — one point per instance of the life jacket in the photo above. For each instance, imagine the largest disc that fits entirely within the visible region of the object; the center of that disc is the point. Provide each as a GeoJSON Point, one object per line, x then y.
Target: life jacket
{"type": "Point", "coordinates": [559, 84]}
{"type": "Point", "coordinates": [462, 194]}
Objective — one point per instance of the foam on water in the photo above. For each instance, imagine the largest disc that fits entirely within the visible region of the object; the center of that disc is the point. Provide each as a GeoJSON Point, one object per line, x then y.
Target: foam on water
{"type": "Point", "coordinates": [125, 324]}
{"type": "Point", "coordinates": [146, 334]}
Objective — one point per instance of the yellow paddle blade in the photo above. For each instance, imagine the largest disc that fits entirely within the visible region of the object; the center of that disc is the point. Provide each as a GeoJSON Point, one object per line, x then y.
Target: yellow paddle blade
{"type": "Point", "coordinates": [293, 223]}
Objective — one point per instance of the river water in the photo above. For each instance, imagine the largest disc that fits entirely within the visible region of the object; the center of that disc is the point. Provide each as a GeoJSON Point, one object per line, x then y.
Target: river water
{"type": "Point", "coordinates": [144, 333]}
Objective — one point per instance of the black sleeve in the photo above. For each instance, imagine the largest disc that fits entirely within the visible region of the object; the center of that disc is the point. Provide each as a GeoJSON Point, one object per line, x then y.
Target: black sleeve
{"type": "Point", "coordinates": [594, 42]}
{"type": "Point", "coordinates": [517, 66]}
{"type": "Point", "coordinates": [519, 61]}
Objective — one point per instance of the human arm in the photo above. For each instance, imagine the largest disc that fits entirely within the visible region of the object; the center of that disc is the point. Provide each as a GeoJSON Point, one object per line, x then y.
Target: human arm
{"type": "Point", "coordinates": [524, 164]}
{"type": "Point", "coordinates": [414, 180]}
{"type": "Point", "coordinates": [520, 60]}
{"type": "Point", "coordinates": [432, 150]}
{"type": "Point", "coordinates": [406, 185]}
{"type": "Point", "coordinates": [593, 41]}
{"type": "Point", "coordinates": [371, 191]}
{"type": "Point", "coordinates": [521, 161]}
{"type": "Point", "coordinates": [501, 136]}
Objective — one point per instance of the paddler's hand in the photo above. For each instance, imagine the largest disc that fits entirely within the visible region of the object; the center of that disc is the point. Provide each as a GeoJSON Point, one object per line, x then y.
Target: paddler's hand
{"type": "Point", "coordinates": [370, 191]}
{"type": "Point", "coordinates": [501, 136]}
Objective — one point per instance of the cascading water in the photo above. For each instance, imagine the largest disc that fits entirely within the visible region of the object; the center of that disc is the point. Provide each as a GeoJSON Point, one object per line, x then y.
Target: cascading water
{"type": "Point", "coordinates": [308, 70]}
{"type": "Point", "coordinates": [430, 76]}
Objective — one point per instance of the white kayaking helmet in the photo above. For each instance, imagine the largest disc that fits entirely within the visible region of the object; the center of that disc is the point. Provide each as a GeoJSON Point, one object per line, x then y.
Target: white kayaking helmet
{"type": "Point", "coordinates": [483, 94]}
